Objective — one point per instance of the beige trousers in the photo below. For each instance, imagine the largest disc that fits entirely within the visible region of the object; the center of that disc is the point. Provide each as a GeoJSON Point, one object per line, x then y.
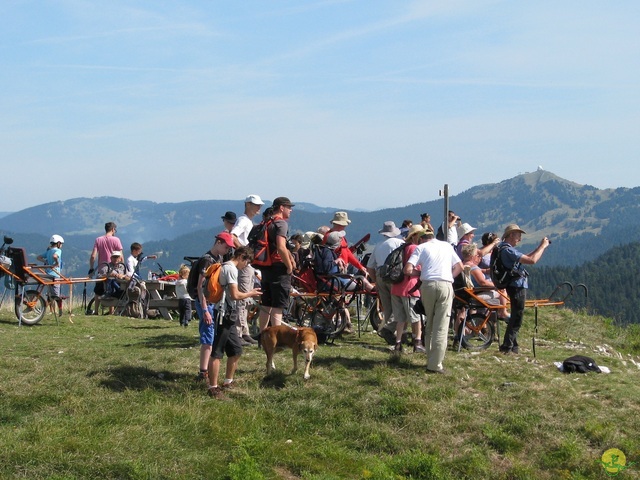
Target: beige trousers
{"type": "Point", "coordinates": [437, 297]}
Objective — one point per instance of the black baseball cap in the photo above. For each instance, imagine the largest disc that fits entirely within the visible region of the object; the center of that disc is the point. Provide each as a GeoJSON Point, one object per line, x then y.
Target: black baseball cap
{"type": "Point", "coordinates": [282, 201]}
{"type": "Point", "coordinates": [229, 217]}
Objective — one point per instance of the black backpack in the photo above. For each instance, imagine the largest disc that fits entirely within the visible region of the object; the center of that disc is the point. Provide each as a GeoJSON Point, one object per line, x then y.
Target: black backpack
{"type": "Point", "coordinates": [194, 274]}
{"type": "Point", "coordinates": [580, 364]}
{"type": "Point", "coordinates": [500, 275]}
{"type": "Point", "coordinates": [392, 269]}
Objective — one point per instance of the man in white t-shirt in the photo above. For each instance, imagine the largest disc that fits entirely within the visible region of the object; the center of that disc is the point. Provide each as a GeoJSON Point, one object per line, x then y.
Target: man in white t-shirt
{"type": "Point", "coordinates": [240, 232]}
{"type": "Point", "coordinates": [439, 265]}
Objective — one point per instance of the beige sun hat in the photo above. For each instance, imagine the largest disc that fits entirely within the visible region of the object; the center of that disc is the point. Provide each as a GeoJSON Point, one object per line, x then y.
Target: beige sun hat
{"type": "Point", "coordinates": [341, 218]}
{"type": "Point", "coordinates": [415, 230]}
{"type": "Point", "coordinates": [512, 227]}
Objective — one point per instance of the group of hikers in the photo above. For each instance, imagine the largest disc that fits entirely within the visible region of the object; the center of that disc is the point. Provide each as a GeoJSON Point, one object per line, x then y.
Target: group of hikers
{"type": "Point", "coordinates": [259, 259]}
{"type": "Point", "coordinates": [429, 266]}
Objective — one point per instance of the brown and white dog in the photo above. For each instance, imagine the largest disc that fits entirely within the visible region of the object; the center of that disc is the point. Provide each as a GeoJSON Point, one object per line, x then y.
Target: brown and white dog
{"type": "Point", "coordinates": [299, 339]}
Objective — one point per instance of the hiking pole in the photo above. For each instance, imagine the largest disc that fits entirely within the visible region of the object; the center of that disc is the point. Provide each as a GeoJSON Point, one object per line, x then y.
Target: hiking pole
{"type": "Point", "coordinates": [535, 329]}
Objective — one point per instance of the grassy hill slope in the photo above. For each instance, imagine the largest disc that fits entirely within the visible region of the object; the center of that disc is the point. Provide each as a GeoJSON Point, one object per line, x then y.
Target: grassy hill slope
{"type": "Point", "coordinates": [109, 398]}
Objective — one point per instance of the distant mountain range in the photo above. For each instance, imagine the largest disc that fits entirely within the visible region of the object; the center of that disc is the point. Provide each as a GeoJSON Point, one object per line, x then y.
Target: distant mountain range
{"type": "Point", "coordinates": [594, 232]}
{"type": "Point", "coordinates": [139, 220]}
{"type": "Point", "coordinates": [582, 221]}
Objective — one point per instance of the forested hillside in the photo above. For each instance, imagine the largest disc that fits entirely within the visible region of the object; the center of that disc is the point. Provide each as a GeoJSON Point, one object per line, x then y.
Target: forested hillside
{"type": "Point", "coordinates": [611, 281]}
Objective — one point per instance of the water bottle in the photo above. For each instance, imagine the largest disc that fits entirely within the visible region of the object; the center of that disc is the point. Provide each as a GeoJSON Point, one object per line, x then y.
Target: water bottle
{"type": "Point", "coordinates": [150, 275]}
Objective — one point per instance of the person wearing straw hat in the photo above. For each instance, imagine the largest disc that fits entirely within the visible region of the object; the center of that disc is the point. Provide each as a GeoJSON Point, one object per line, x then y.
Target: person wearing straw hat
{"type": "Point", "coordinates": [404, 295]}
{"type": "Point", "coordinates": [376, 261]}
{"type": "Point", "coordinates": [339, 223]}
{"type": "Point", "coordinates": [513, 260]}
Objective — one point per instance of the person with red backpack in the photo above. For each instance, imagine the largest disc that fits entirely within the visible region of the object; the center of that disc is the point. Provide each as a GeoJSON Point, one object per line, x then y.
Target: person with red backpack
{"type": "Point", "coordinates": [277, 266]}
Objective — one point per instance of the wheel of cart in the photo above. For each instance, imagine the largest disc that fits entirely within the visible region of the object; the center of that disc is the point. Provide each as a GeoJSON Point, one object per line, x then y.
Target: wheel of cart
{"type": "Point", "coordinates": [28, 282]}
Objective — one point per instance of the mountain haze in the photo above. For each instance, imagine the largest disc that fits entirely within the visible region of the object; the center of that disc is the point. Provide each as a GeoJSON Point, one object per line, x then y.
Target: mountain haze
{"type": "Point", "coordinates": [582, 221]}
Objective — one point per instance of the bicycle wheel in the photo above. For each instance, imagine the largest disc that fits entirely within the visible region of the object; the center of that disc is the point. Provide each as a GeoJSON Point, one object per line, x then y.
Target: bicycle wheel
{"type": "Point", "coordinates": [370, 312]}
{"type": "Point", "coordinates": [89, 309]}
{"type": "Point", "coordinates": [477, 331]}
{"type": "Point", "coordinates": [375, 317]}
{"type": "Point", "coordinates": [303, 313]}
{"type": "Point", "coordinates": [31, 308]}
{"type": "Point", "coordinates": [329, 319]}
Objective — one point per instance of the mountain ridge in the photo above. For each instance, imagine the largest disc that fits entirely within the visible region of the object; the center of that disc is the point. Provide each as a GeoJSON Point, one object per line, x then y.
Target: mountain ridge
{"type": "Point", "coordinates": [582, 221]}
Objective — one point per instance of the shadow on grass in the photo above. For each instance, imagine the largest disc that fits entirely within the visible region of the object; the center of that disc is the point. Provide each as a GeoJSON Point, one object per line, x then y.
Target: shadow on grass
{"type": "Point", "coordinates": [147, 327]}
{"type": "Point", "coordinates": [9, 321]}
{"type": "Point", "coordinates": [276, 381]}
{"type": "Point", "coordinates": [168, 341]}
{"type": "Point", "coordinates": [127, 377]}
{"type": "Point", "coordinates": [399, 362]}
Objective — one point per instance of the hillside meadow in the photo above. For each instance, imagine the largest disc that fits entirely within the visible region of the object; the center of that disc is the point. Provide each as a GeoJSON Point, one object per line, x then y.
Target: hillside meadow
{"type": "Point", "coordinates": [115, 398]}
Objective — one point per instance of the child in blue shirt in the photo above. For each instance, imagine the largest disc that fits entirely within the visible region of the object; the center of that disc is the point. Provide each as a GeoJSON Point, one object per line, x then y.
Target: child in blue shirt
{"type": "Point", "coordinates": [53, 257]}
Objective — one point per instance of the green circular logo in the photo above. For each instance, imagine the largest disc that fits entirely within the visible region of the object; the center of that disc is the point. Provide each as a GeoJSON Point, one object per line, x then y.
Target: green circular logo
{"type": "Point", "coordinates": [613, 461]}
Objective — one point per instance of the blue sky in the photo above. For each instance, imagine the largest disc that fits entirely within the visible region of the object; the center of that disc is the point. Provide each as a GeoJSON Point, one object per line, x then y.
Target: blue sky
{"type": "Point", "coordinates": [351, 104]}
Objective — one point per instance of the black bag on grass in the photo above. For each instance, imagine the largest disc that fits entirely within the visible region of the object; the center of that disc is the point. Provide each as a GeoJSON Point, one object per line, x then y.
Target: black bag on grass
{"type": "Point", "coordinates": [580, 364]}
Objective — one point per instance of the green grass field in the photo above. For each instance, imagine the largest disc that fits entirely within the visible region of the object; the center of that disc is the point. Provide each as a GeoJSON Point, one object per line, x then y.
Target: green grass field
{"type": "Point", "coordinates": [115, 398]}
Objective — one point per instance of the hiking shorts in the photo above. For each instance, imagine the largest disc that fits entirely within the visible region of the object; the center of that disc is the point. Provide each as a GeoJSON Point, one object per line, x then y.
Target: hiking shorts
{"type": "Point", "coordinates": [276, 285]}
{"type": "Point", "coordinates": [227, 342]}
{"type": "Point", "coordinates": [99, 288]}
{"type": "Point", "coordinates": [207, 332]}
{"type": "Point", "coordinates": [54, 290]}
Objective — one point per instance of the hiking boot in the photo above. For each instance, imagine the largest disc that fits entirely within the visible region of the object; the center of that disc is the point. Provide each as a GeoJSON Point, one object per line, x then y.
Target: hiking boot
{"type": "Point", "coordinates": [216, 392]}
{"type": "Point", "coordinates": [202, 377]}
{"type": "Point", "coordinates": [228, 386]}
{"type": "Point", "coordinates": [387, 335]}
{"type": "Point", "coordinates": [419, 348]}
{"type": "Point", "coordinates": [258, 338]}
{"type": "Point", "coordinates": [398, 348]}
{"type": "Point", "coordinates": [249, 340]}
